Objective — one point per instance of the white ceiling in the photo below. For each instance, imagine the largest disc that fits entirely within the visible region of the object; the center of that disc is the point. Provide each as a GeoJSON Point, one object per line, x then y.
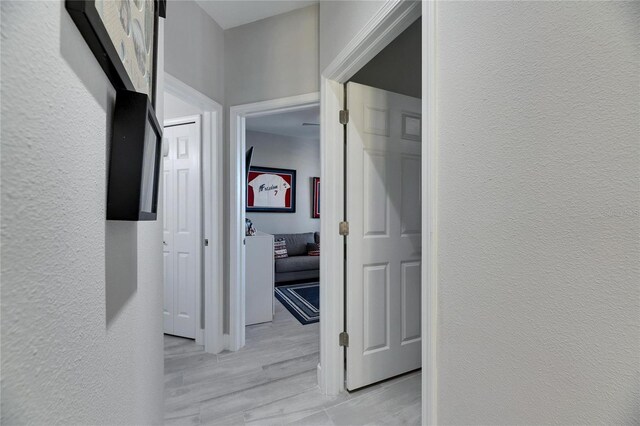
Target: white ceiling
{"type": "Point", "coordinates": [229, 14]}
{"type": "Point", "coordinates": [288, 123]}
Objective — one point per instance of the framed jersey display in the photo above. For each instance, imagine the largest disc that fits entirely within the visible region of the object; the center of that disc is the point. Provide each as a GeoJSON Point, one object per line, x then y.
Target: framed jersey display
{"type": "Point", "coordinates": [271, 190]}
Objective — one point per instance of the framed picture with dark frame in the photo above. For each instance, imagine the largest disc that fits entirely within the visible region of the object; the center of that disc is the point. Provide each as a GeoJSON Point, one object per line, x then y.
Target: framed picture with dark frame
{"type": "Point", "coordinates": [123, 37]}
{"type": "Point", "coordinates": [271, 190]}
{"type": "Point", "coordinates": [134, 162]}
{"type": "Point", "coordinates": [315, 197]}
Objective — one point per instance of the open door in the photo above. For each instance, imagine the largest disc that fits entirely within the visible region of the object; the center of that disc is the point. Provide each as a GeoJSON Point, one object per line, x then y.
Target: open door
{"type": "Point", "coordinates": [384, 242]}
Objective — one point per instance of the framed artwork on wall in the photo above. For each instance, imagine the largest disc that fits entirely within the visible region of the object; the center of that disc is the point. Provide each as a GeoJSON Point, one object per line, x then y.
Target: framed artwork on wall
{"type": "Point", "coordinates": [123, 36]}
{"type": "Point", "coordinates": [271, 190]}
{"type": "Point", "coordinates": [134, 163]}
{"type": "Point", "coordinates": [315, 200]}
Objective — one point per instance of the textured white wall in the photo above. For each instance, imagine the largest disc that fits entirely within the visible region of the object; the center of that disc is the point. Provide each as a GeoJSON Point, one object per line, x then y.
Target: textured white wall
{"type": "Point", "coordinates": [81, 304]}
{"type": "Point", "coordinates": [284, 152]}
{"type": "Point", "coordinates": [194, 48]}
{"type": "Point", "coordinates": [539, 212]}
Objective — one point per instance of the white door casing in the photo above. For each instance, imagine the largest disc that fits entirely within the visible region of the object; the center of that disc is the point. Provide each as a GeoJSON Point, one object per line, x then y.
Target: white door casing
{"type": "Point", "coordinates": [181, 228]}
{"type": "Point", "coordinates": [384, 242]}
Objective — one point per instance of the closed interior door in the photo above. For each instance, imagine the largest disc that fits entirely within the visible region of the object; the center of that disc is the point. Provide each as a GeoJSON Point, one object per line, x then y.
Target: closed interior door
{"type": "Point", "coordinates": [181, 228]}
{"type": "Point", "coordinates": [383, 246]}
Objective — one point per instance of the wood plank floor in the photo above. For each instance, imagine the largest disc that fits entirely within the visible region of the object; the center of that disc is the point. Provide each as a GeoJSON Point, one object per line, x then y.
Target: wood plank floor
{"type": "Point", "coordinates": [273, 381]}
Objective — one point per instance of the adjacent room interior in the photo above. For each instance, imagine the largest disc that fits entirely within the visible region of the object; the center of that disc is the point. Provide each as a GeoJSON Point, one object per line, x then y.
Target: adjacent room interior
{"type": "Point", "coordinates": [282, 244]}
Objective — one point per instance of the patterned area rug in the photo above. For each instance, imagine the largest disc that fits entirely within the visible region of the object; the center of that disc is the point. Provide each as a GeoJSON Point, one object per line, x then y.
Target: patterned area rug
{"type": "Point", "coordinates": [302, 300]}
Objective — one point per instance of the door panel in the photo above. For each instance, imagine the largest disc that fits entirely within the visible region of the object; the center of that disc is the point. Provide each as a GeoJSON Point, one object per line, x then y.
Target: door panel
{"type": "Point", "coordinates": [376, 307]}
{"type": "Point", "coordinates": [410, 207]}
{"type": "Point", "coordinates": [181, 228]}
{"type": "Point", "coordinates": [411, 318]}
{"type": "Point", "coordinates": [375, 199]}
{"type": "Point", "coordinates": [383, 246]}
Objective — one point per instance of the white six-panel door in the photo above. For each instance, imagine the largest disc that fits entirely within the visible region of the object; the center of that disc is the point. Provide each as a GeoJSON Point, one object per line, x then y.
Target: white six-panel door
{"type": "Point", "coordinates": [383, 245]}
{"type": "Point", "coordinates": [181, 224]}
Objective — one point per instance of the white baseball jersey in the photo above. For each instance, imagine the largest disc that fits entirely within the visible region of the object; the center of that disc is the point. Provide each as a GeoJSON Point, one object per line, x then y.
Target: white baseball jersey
{"type": "Point", "coordinates": [269, 191]}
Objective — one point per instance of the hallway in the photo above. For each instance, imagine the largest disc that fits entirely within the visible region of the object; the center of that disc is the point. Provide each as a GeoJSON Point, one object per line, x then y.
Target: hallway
{"type": "Point", "coordinates": [273, 380]}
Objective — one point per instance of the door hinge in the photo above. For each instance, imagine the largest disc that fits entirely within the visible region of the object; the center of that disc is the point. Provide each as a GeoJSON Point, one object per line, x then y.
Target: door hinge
{"type": "Point", "coordinates": [344, 228]}
{"type": "Point", "coordinates": [344, 116]}
{"type": "Point", "coordinates": [344, 339]}
{"type": "Point", "coordinates": [206, 242]}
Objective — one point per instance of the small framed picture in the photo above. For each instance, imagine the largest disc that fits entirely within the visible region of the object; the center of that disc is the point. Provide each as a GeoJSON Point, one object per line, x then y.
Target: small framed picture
{"type": "Point", "coordinates": [315, 201]}
{"type": "Point", "coordinates": [271, 190]}
{"type": "Point", "coordinates": [123, 37]}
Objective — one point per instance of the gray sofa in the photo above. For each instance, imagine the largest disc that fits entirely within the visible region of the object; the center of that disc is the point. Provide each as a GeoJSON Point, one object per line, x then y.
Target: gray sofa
{"type": "Point", "coordinates": [298, 266]}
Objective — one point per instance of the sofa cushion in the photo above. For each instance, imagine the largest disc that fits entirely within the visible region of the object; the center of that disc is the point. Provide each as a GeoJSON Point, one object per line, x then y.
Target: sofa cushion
{"type": "Point", "coordinates": [297, 263]}
{"type": "Point", "coordinates": [297, 243]}
{"type": "Point", "coordinates": [316, 237]}
{"type": "Point", "coordinates": [313, 249]}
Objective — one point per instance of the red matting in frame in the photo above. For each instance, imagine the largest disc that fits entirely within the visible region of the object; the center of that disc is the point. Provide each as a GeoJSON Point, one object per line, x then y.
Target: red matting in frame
{"type": "Point", "coordinates": [271, 190]}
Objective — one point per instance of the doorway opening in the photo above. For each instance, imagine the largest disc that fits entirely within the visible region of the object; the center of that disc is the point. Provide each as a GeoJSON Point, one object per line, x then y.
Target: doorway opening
{"type": "Point", "coordinates": [275, 233]}
{"type": "Point", "coordinates": [383, 256]}
{"type": "Point", "coordinates": [192, 232]}
{"type": "Point", "coordinates": [275, 197]}
{"type": "Point", "coordinates": [282, 242]}
{"type": "Point", "coordinates": [413, 276]}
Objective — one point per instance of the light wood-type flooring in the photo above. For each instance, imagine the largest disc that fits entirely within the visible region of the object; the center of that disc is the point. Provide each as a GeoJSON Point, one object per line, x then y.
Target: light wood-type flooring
{"type": "Point", "coordinates": [273, 381]}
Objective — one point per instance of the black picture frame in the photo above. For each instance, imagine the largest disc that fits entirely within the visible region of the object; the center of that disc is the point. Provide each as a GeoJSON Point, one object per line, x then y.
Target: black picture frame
{"type": "Point", "coordinates": [88, 20]}
{"type": "Point", "coordinates": [134, 161]}
{"type": "Point", "coordinates": [247, 163]}
{"type": "Point", "coordinates": [288, 175]}
{"type": "Point", "coordinates": [315, 197]}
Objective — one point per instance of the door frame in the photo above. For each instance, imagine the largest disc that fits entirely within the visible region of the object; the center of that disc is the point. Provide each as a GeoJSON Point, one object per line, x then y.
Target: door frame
{"type": "Point", "coordinates": [211, 177]}
{"type": "Point", "coordinates": [392, 18]}
{"type": "Point", "coordinates": [237, 194]}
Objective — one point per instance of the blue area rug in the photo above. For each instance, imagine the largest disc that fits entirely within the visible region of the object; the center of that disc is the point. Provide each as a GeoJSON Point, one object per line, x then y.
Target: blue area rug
{"type": "Point", "coordinates": [302, 300]}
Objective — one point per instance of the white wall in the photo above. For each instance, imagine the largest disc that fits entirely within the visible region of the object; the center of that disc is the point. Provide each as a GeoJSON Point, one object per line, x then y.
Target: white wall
{"type": "Point", "coordinates": [284, 152]}
{"type": "Point", "coordinates": [272, 58]}
{"type": "Point", "coordinates": [340, 21]}
{"type": "Point", "coordinates": [194, 48]}
{"type": "Point", "coordinates": [539, 212]}
{"type": "Point", "coordinates": [175, 107]}
{"type": "Point", "coordinates": [81, 327]}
